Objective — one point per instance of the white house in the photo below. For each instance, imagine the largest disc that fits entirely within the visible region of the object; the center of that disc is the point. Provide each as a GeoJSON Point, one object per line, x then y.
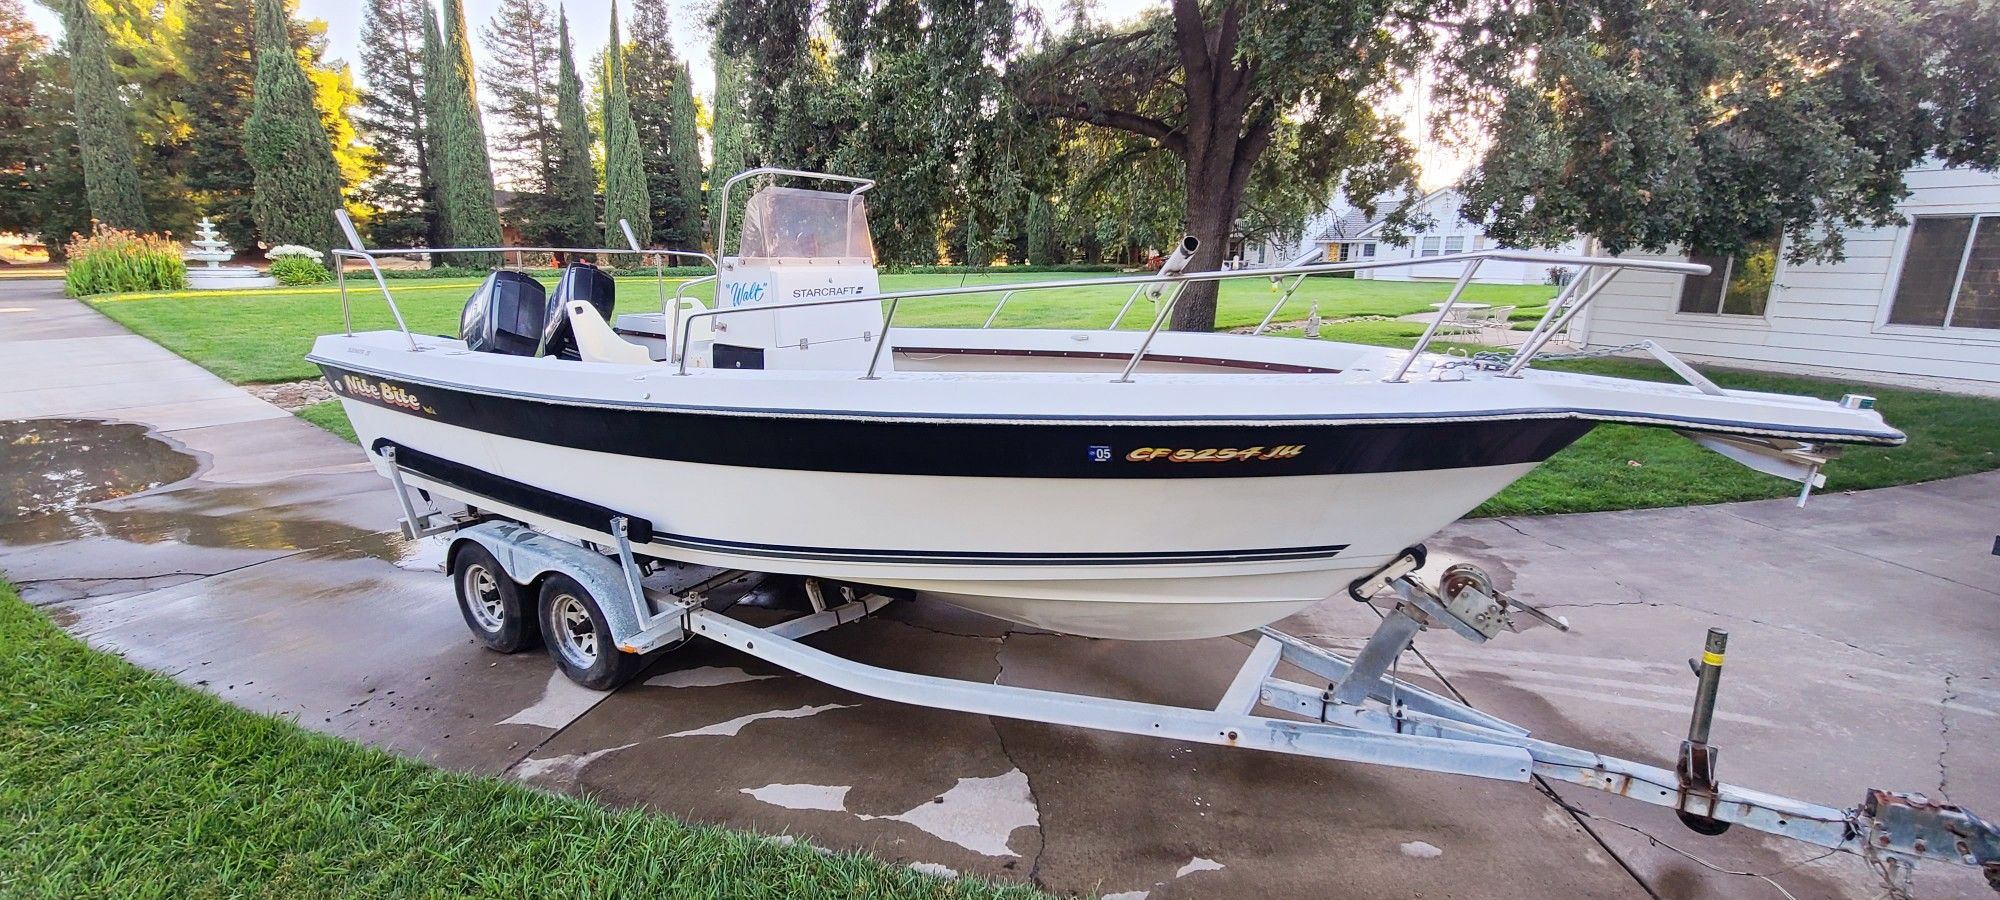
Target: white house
{"type": "Point", "coordinates": [1918, 299]}
{"type": "Point", "coordinates": [1346, 234]}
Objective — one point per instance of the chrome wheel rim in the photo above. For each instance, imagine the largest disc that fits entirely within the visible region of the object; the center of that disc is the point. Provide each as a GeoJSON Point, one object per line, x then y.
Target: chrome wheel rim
{"type": "Point", "coordinates": [575, 634]}
{"type": "Point", "coordinates": [482, 598]}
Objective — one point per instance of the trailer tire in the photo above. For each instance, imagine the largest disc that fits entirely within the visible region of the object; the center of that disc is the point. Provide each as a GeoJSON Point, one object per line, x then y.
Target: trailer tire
{"type": "Point", "coordinates": [578, 638]}
{"type": "Point", "coordinates": [490, 601]}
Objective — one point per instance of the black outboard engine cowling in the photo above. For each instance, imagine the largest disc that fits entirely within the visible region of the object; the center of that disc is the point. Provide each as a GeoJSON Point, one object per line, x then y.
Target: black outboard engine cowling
{"type": "Point", "coordinates": [508, 314]}
{"type": "Point", "coordinates": [580, 281]}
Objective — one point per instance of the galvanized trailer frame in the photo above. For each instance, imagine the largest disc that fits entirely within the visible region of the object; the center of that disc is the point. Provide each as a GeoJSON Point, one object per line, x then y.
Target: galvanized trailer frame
{"type": "Point", "coordinates": [1363, 714]}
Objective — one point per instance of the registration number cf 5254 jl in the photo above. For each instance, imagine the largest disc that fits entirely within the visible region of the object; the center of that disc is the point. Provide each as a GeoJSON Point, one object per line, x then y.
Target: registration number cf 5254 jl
{"type": "Point", "coordinates": [1215, 454]}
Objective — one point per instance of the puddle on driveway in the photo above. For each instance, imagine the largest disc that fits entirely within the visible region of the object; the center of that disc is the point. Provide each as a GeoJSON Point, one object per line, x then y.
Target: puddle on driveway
{"type": "Point", "coordinates": [58, 465]}
{"type": "Point", "coordinates": [57, 477]}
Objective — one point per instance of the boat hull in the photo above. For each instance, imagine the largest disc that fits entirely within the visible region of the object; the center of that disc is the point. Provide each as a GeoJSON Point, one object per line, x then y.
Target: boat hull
{"type": "Point", "coordinates": [1116, 557]}
{"type": "Point", "coordinates": [1177, 505]}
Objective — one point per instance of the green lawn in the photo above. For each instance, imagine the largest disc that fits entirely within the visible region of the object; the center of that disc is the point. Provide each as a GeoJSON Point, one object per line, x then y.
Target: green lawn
{"type": "Point", "coordinates": [262, 336]}
{"type": "Point", "coordinates": [116, 782]}
{"type": "Point", "coordinates": [1628, 467]}
{"type": "Point", "coordinates": [330, 416]}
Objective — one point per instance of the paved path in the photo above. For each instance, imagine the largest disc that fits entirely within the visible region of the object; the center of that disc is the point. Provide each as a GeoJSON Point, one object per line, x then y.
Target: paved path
{"type": "Point", "coordinates": [1864, 637]}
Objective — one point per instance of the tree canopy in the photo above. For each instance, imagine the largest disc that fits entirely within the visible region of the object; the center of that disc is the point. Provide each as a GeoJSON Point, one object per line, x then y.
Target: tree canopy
{"type": "Point", "coordinates": [573, 192]}
{"type": "Point", "coordinates": [104, 133]}
{"type": "Point", "coordinates": [1645, 123]}
{"type": "Point", "coordinates": [297, 184]}
{"type": "Point", "coordinates": [399, 187]}
{"type": "Point", "coordinates": [457, 141]}
{"type": "Point", "coordinates": [626, 198]}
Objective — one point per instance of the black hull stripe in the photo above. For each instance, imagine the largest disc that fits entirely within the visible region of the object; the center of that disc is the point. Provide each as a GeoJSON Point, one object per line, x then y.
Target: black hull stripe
{"type": "Point", "coordinates": [976, 449]}
{"type": "Point", "coordinates": [598, 518]}
{"type": "Point", "coordinates": [947, 557]}
{"type": "Point", "coordinates": [1593, 414]}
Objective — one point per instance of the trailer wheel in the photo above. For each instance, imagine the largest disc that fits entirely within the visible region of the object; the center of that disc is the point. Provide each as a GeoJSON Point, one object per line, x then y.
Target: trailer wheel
{"type": "Point", "coordinates": [491, 602]}
{"type": "Point", "coordinates": [578, 639]}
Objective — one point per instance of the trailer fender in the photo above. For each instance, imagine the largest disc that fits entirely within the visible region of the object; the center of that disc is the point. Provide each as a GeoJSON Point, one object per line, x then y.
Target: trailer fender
{"type": "Point", "coordinates": [527, 555]}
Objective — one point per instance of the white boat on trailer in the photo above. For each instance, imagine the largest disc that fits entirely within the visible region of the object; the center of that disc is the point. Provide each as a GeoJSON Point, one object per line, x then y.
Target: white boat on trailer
{"type": "Point", "coordinates": [622, 486]}
{"type": "Point", "coordinates": [1114, 483]}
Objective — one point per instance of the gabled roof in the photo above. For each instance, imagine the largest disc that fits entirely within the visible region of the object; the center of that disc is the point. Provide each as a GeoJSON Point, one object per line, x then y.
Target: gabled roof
{"type": "Point", "coordinates": [1348, 224]}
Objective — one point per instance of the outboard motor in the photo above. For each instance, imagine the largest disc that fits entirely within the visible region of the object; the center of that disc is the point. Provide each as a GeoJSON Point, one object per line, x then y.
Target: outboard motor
{"type": "Point", "coordinates": [506, 315]}
{"type": "Point", "coordinates": [580, 281]}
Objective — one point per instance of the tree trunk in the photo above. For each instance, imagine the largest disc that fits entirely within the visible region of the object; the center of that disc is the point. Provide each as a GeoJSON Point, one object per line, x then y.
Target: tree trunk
{"type": "Point", "coordinates": [1215, 181]}
{"type": "Point", "coordinates": [1211, 216]}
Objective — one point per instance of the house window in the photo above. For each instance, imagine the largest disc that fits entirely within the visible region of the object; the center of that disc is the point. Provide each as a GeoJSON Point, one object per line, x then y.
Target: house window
{"type": "Point", "coordinates": [1429, 246]}
{"type": "Point", "coordinates": [1951, 274]}
{"type": "Point", "coordinates": [1737, 285]}
{"type": "Point", "coordinates": [1455, 244]}
{"type": "Point", "coordinates": [1367, 251]}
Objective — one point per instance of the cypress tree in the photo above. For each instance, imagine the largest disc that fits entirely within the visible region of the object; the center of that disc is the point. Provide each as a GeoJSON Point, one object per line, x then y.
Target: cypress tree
{"type": "Point", "coordinates": [434, 78]}
{"type": "Point", "coordinates": [520, 93]}
{"type": "Point", "coordinates": [297, 186]}
{"type": "Point", "coordinates": [625, 196]}
{"type": "Point", "coordinates": [20, 76]}
{"type": "Point", "coordinates": [61, 206]}
{"type": "Point", "coordinates": [220, 55]}
{"type": "Point", "coordinates": [457, 143]}
{"type": "Point", "coordinates": [685, 146]}
{"type": "Point", "coordinates": [103, 133]}
{"type": "Point", "coordinates": [392, 117]}
{"type": "Point", "coordinates": [653, 78]}
{"type": "Point", "coordinates": [729, 137]}
{"type": "Point", "coordinates": [573, 188]}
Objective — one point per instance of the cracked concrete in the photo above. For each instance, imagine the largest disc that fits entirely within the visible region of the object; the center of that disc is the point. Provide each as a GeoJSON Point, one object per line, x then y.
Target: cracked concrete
{"type": "Point", "coordinates": [1944, 738]}
{"type": "Point", "coordinates": [1845, 619]}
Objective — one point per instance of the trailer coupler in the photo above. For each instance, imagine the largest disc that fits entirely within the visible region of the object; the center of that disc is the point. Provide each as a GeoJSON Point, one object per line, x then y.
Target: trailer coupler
{"type": "Point", "coordinates": [1915, 826]}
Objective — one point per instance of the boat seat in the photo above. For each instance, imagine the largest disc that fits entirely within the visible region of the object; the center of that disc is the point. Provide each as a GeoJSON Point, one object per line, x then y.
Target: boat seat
{"type": "Point", "coordinates": [596, 342]}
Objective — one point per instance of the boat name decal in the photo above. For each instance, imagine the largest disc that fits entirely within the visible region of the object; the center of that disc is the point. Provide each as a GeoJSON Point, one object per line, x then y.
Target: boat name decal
{"type": "Point", "coordinates": [741, 292]}
{"type": "Point", "coordinates": [383, 392]}
{"type": "Point", "coordinates": [1212, 454]}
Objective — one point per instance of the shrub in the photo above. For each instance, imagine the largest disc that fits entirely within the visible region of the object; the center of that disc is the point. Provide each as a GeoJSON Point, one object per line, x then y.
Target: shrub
{"type": "Point", "coordinates": [293, 271]}
{"type": "Point", "coordinates": [116, 261]}
{"type": "Point", "coordinates": [294, 265]}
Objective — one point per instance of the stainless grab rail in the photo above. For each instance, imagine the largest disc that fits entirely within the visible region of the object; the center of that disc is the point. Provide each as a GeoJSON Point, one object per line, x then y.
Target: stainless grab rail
{"type": "Point", "coordinates": [1444, 312]}
{"type": "Point", "coordinates": [1286, 297]}
{"type": "Point", "coordinates": [680, 301]}
{"type": "Point", "coordinates": [894, 297]}
{"type": "Point", "coordinates": [996, 308]}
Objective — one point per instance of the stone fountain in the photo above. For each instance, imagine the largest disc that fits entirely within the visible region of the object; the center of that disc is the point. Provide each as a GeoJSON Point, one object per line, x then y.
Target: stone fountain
{"type": "Point", "coordinates": [210, 248]}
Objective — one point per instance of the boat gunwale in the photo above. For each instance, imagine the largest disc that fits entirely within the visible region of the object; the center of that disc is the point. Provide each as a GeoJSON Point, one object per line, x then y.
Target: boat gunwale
{"type": "Point", "coordinates": [1890, 438]}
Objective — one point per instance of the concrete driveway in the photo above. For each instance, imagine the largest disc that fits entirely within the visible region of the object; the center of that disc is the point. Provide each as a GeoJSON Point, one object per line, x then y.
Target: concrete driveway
{"type": "Point", "coordinates": [1863, 653]}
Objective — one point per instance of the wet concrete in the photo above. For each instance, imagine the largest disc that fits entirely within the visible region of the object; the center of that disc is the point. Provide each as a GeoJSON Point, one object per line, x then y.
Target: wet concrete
{"type": "Point", "coordinates": [1863, 635]}
{"type": "Point", "coordinates": [57, 465]}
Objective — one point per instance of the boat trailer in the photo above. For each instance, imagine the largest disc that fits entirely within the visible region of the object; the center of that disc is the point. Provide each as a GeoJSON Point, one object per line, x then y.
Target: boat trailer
{"type": "Point", "coordinates": [1362, 713]}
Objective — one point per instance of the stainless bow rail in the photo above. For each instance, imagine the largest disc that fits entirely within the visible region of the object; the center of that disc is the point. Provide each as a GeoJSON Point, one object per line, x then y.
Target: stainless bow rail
{"type": "Point", "coordinates": [1561, 310]}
